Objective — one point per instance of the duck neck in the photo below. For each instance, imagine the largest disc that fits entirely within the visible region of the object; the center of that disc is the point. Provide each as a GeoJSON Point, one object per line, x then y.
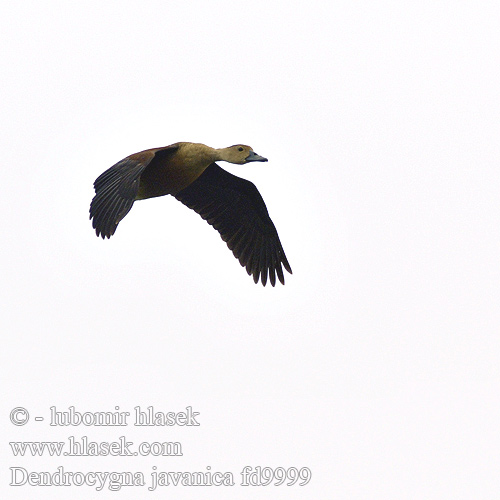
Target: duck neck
{"type": "Point", "coordinates": [222, 154]}
{"type": "Point", "coordinates": [195, 154]}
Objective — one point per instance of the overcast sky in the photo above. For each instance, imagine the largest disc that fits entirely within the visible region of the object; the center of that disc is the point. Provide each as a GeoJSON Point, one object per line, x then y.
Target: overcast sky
{"type": "Point", "coordinates": [377, 365]}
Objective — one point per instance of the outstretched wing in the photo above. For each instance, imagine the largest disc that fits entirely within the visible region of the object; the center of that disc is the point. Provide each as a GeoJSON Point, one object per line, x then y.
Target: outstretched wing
{"type": "Point", "coordinates": [116, 190]}
{"type": "Point", "coordinates": [236, 209]}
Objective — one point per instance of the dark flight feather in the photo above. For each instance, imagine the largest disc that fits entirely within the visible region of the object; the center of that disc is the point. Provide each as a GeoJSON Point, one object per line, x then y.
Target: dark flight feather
{"type": "Point", "coordinates": [236, 209]}
{"type": "Point", "coordinates": [115, 190]}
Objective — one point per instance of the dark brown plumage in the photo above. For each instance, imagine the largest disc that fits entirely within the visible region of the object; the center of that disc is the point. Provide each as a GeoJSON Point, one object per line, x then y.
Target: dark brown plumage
{"type": "Point", "coordinates": [188, 171]}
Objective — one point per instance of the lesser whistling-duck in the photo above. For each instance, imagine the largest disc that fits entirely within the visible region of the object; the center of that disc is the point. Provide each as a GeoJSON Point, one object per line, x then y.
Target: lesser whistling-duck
{"type": "Point", "coordinates": [187, 171]}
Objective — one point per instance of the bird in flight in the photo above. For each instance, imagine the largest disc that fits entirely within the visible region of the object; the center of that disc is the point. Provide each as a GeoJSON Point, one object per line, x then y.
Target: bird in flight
{"type": "Point", "coordinates": [187, 171]}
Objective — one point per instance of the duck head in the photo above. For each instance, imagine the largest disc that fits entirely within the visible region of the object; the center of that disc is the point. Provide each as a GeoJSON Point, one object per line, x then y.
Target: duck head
{"type": "Point", "coordinates": [239, 154]}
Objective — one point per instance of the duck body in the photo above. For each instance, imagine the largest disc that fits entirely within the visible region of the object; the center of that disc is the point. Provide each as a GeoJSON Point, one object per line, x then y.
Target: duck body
{"type": "Point", "coordinates": [172, 168]}
{"type": "Point", "coordinates": [188, 172]}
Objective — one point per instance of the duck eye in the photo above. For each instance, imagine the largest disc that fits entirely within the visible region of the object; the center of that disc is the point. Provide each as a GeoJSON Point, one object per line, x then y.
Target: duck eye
{"type": "Point", "coordinates": [240, 149]}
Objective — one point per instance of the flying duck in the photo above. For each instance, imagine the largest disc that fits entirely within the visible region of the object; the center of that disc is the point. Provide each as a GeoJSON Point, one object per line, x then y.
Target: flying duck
{"type": "Point", "coordinates": [188, 172]}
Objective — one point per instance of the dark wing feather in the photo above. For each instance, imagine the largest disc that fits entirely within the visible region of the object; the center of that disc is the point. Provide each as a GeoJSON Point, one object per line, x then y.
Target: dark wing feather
{"type": "Point", "coordinates": [116, 189]}
{"type": "Point", "coordinates": [236, 209]}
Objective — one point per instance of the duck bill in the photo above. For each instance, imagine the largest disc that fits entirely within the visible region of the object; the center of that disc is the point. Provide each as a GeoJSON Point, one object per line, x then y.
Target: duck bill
{"type": "Point", "coordinates": [254, 157]}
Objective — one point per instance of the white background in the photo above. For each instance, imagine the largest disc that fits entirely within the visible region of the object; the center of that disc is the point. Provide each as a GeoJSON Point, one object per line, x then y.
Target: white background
{"type": "Point", "coordinates": [377, 365]}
